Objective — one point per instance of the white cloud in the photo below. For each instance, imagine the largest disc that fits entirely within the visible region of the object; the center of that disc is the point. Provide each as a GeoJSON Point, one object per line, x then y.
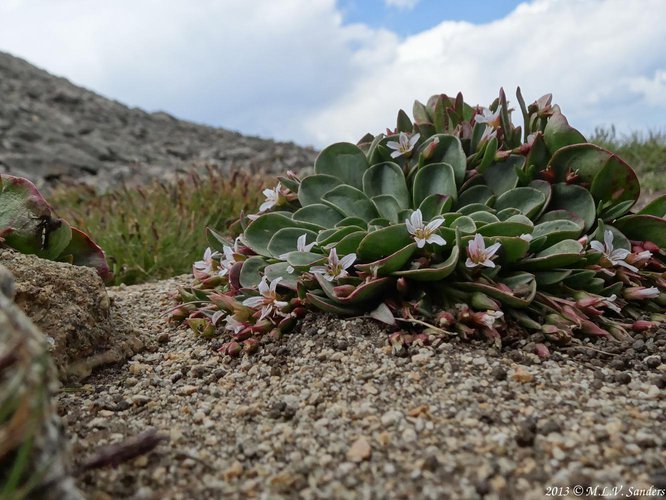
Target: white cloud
{"type": "Point", "coordinates": [293, 70]}
{"type": "Point", "coordinates": [402, 4]}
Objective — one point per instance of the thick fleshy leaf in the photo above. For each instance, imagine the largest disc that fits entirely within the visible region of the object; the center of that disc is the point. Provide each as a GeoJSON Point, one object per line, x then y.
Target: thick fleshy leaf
{"type": "Point", "coordinates": [483, 217]}
{"type": "Point", "coordinates": [384, 242]}
{"type": "Point", "coordinates": [616, 182]}
{"type": "Point", "coordinates": [575, 199]}
{"type": "Point", "coordinates": [656, 207]}
{"type": "Point", "coordinates": [349, 244]}
{"type": "Point", "coordinates": [580, 278]}
{"type": "Point", "coordinates": [526, 199]}
{"type": "Point", "coordinates": [334, 235]}
{"type": "Point", "coordinates": [434, 178]}
{"type": "Point", "coordinates": [505, 228]}
{"type": "Point", "coordinates": [561, 254]}
{"type": "Point", "coordinates": [475, 207]}
{"type": "Point", "coordinates": [260, 231]}
{"type": "Point", "coordinates": [464, 224]}
{"type": "Point", "coordinates": [403, 123]}
{"type": "Point", "coordinates": [364, 292]}
{"type": "Point", "coordinates": [480, 194]}
{"type": "Point", "coordinates": [585, 160]}
{"type": "Point", "coordinates": [449, 150]}
{"type": "Point", "coordinates": [555, 215]}
{"type": "Point", "coordinates": [344, 161]}
{"type": "Point", "coordinates": [388, 207]}
{"type": "Point", "coordinates": [501, 176]}
{"type": "Point", "coordinates": [350, 201]}
{"type": "Point", "coordinates": [216, 241]}
{"type": "Point", "coordinates": [558, 133]}
{"type": "Point", "coordinates": [435, 272]}
{"type": "Point", "coordinates": [83, 251]}
{"type": "Point", "coordinates": [523, 289]}
{"type": "Point", "coordinates": [488, 157]}
{"type": "Point", "coordinates": [644, 228]}
{"type": "Point", "coordinates": [353, 221]}
{"type": "Point", "coordinates": [313, 187]}
{"type": "Point", "coordinates": [319, 214]}
{"type": "Point", "coordinates": [390, 264]}
{"type": "Point", "coordinates": [327, 305]}
{"type": "Point", "coordinates": [434, 205]}
{"type": "Point", "coordinates": [301, 260]}
{"type": "Point", "coordinates": [549, 278]}
{"type": "Point", "coordinates": [251, 272]}
{"type": "Point", "coordinates": [281, 270]}
{"type": "Point", "coordinates": [553, 232]}
{"type": "Point", "coordinates": [387, 178]}
{"type": "Point", "coordinates": [507, 213]}
{"type": "Point", "coordinates": [285, 239]}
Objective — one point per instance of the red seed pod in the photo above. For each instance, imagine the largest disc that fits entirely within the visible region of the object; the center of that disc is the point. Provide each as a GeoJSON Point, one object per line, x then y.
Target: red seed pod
{"type": "Point", "coordinates": [641, 325]}
{"type": "Point", "coordinates": [231, 348]}
{"type": "Point", "coordinates": [402, 285]}
{"type": "Point", "coordinates": [299, 312]}
{"type": "Point", "coordinates": [250, 345]}
{"type": "Point", "coordinates": [542, 351]}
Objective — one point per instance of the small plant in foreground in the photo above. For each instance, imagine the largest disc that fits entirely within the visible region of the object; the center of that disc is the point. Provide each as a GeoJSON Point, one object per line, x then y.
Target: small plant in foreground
{"type": "Point", "coordinates": [458, 222]}
{"type": "Point", "coordinates": [154, 231]}
{"type": "Point", "coordinates": [28, 224]}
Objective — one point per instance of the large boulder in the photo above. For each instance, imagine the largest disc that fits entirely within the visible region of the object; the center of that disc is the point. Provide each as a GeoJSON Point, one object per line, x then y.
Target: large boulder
{"type": "Point", "coordinates": [70, 305]}
{"type": "Point", "coordinates": [33, 452]}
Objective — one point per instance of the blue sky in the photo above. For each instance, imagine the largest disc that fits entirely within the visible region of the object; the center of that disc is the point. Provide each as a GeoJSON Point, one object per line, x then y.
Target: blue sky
{"type": "Point", "coordinates": [322, 71]}
{"type": "Point", "coordinates": [424, 15]}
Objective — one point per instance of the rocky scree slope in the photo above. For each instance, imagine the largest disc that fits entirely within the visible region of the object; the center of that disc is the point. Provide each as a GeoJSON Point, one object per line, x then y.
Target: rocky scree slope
{"type": "Point", "coordinates": [52, 130]}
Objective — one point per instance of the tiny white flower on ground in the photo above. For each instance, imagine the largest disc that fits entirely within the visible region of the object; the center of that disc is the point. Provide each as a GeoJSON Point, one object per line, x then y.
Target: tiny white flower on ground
{"type": "Point", "coordinates": [478, 254]}
{"type": "Point", "coordinates": [488, 117]}
{"type": "Point", "coordinates": [273, 198]}
{"type": "Point", "coordinates": [424, 233]}
{"type": "Point", "coordinates": [267, 300]}
{"type": "Point", "coordinates": [335, 268]}
{"type": "Point", "coordinates": [404, 145]}
{"type": "Point", "coordinates": [206, 265]}
{"type": "Point", "coordinates": [490, 317]}
{"type": "Point", "coordinates": [609, 302]}
{"type": "Point", "coordinates": [616, 256]}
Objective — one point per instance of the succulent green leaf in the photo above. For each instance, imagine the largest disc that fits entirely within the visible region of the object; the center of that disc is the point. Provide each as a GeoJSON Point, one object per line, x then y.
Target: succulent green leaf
{"type": "Point", "coordinates": [449, 150]}
{"type": "Point", "coordinates": [523, 286]}
{"type": "Point", "coordinates": [585, 160]}
{"type": "Point", "coordinates": [580, 278]}
{"type": "Point", "coordinates": [388, 207]}
{"type": "Point", "coordinates": [364, 292]}
{"type": "Point", "coordinates": [420, 113]}
{"type": "Point", "coordinates": [387, 178]}
{"type": "Point", "coordinates": [548, 233]}
{"type": "Point", "coordinates": [558, 133]}
{"type": "Point", "coordinates": [507, 212]}
{"type": "Point", "coordinates": [643, 228]}
{"type": "Point", "coordinates": [575, 199]}
{"type": "Point", "coordinates": [260, 231]}
{"type": "Point", "coordinates": [350, 201]}
{"type": "Point", "coordinates": [280, 270]}
{"type": "Point", "coordinates": [313, 187]}
{"type": "Point", "coordinates": [404, 124]}
{"type": "Point", "coordinates": [501, 176]}
{"type": "Point", "coordinates": [526, 199]}
{"type": "Point", "coordinates": [303, 260]}
{"type": "Point", "coordinates": [505, 228]}
{"type": "Point", "coordinates": [353, 221]}
{"type": "Point", "coordinates": [488, 157]}
{"type": "Point", "coordinates": [434, 178]}
{"type": "Point", "coordinates": [555, 215]}
{"type": "Point", "coordinates": [319, 214]}
{"type": "Point", "coordinates": [434, 205]}
{"type": "Point", "coordinates": [216, 241]}
{"type": "Point", "coordinates": [251, 272]}
{"type": "Point", "coordinates": [284, 240]}
{"type": "Point", "coordinates": [616, 182]}
{"type": "Point", "coordinates": [349, 244]}
{"type": "Point", "coordinates": [343, 160]}
{"type": "Point", "coordinates": [327, 305]}
{"type": "Point", "coordinates": [334, 235]}
{"type": "Point", "coordinates": [436, 272]}
{"type": "Point", "coordinates": [390, 264]}
{"type": "Point", "coordinates": [480, 194]}
{"type": "Point", "coordinates": [554, 277]}
{"type": "Point", "coordinates": [464, 224]}
{"type": "Point", "coordinates": [656, 207]}
{"type": "Point", "coordinates": [561, 254]}
{"type": "Point", "coordinates": [475, 207]}
{"type": "Point", "coordinates": [384, 242]}
{"type": "Point", "coordinates": [483, 217]}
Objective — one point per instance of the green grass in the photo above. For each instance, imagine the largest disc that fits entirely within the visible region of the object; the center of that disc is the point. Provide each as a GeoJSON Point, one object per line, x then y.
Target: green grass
{"type": "Point", "coordinates": [645, 152]}
{"type": "Point", "coordinates": [158, 231]}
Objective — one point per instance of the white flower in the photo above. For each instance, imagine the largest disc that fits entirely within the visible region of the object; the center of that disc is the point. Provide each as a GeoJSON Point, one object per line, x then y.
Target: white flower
{"type": "Point", "coordinates": [253, 217]}
{"type": "Point", "coordinates": [404, 145]}
{"type": "Point", "coordinates": [229, 259]}
{"type": "Point", "coordinates": [490, 317]}
{"type": "Point", "coordinates": [487, 116]}
{"type": "Point", "coordinates": [640, 293]}
{"type": "Point", "coordinates": [301, 246]}
{"type": "Point", "coordinates": [616, 256]}
{"type": "Point", "coordinates": [488, 133]}
{"type": "Point", "coordinates": [335, 268]}
{"type": "Point", "coordinates": [424, 233]}
{"type": "Point", "coordinates": [267, 300]}
{"type": "Point", "coordinates": [234, 325]}
{"type": "Point", "coordinates": [644, 255]}
{"type": "Point", "coordinates": [273, 198]}
{"type": "Point", "coordinates": [609, 303]}
{"type": "Point", "coordinates": [478, 254]}
{"type": "Point", "coordinates": [206, 265]}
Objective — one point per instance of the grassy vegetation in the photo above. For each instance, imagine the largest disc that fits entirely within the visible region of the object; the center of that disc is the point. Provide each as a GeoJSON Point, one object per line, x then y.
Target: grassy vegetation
{"type": "Point", "coordinates": [645, 152]}
{"type": "Point", "coordinates": [158, 231]}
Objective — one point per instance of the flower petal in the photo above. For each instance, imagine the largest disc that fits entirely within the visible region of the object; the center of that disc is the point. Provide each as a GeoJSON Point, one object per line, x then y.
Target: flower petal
{"type": "Point", "coordinates": [347, 260]}
{"type": "Point", "coordinates": [253, 302]}
{"type": "Point", "coordinates": [433, 225]}
{"type": "Point", "coordinates": [436, 239]}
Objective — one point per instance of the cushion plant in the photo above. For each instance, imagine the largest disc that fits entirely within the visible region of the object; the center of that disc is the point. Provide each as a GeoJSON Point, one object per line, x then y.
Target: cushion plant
{"type": "Point", "coordinates": [457, 221]}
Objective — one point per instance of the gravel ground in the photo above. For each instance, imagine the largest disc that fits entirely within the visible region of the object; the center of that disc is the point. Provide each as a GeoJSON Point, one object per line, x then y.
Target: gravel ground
{"type": "Point", "coordinates": [329, 412]}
